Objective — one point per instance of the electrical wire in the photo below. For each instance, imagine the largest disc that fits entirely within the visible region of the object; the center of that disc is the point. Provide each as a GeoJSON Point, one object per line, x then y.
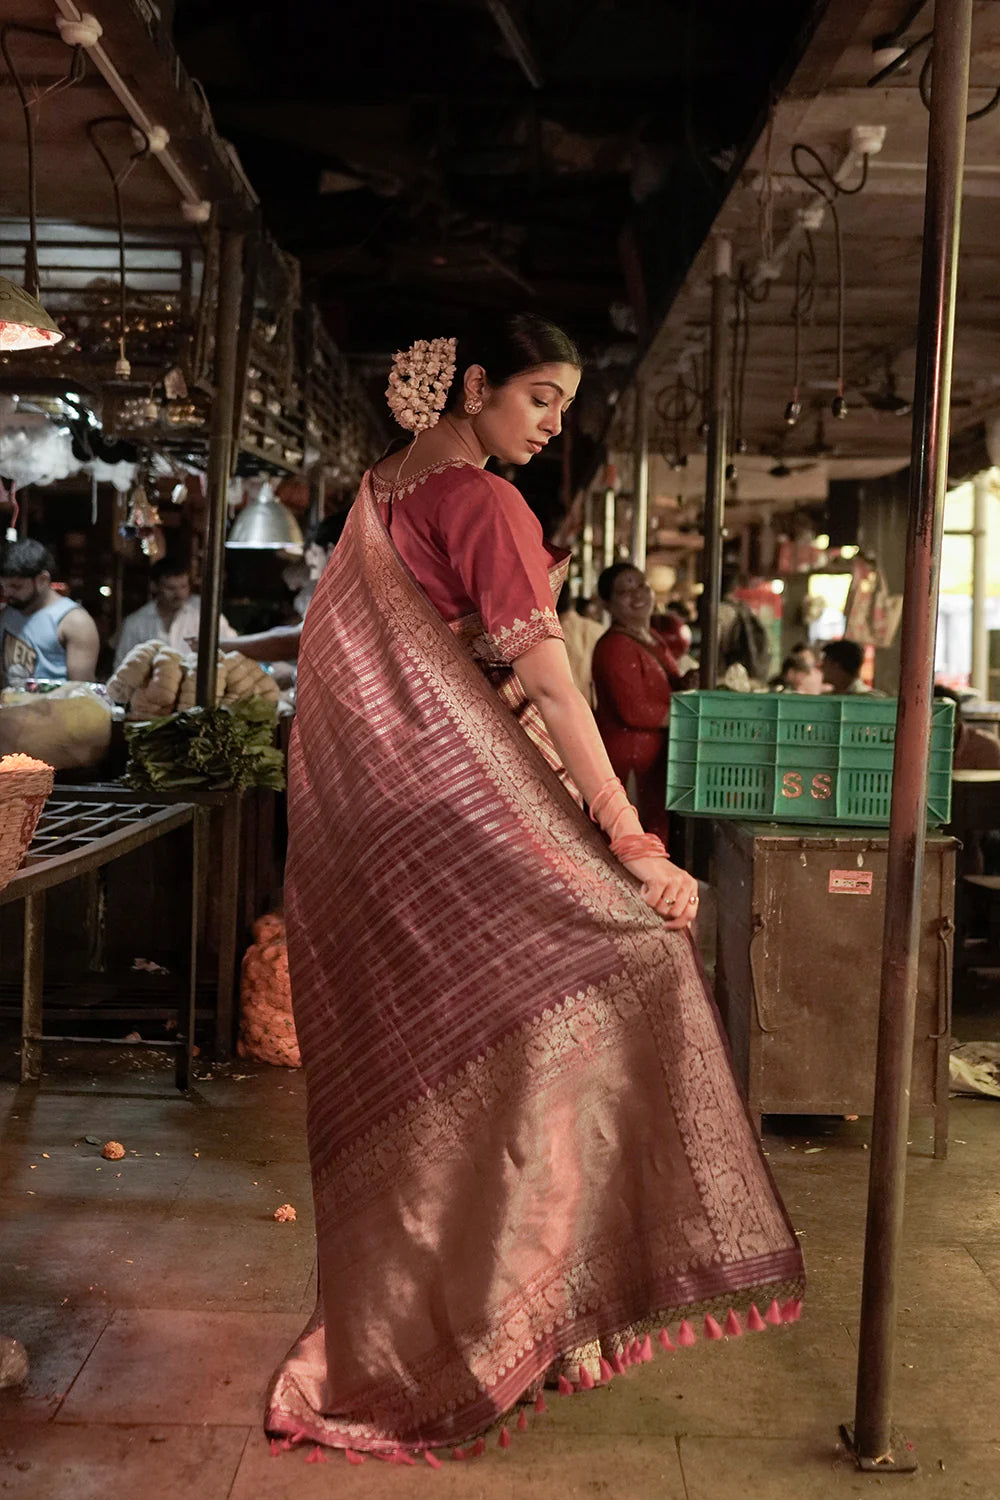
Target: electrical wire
{"type": "Point", "coordinates": [77, 69]}
{"type": "Point", "coordinates": [805, 291]}
{"type": "Point", "coordinates": [829, 189]}
{"type": "Point", "coordinates": [117, 179]}
{"type": "Point", "coordinates": [924, 85]}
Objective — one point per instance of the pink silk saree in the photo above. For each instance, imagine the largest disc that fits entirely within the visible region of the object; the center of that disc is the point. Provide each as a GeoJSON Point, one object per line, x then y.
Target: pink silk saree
{"type": "Point", "coordinates": [527, 1147]}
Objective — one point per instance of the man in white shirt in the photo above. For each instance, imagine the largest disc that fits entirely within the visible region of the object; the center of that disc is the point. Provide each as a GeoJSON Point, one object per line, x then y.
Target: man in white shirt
{"type": "Point", "coordinates": [172, 615]}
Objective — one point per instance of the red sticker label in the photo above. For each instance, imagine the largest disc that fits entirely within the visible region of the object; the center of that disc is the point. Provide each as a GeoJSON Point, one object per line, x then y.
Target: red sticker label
{"type": "Point", "coordinates": [850, 882]}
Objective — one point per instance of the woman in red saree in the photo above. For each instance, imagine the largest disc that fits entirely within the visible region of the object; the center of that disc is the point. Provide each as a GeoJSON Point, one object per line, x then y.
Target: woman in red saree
{"type": "Point", "coordinates": [527, 1148]}
{"type": "Point", "coordinates": [634, 676]}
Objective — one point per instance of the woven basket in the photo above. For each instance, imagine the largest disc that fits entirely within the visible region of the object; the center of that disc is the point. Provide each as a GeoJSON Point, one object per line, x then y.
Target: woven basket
{"type": "Point", "coordinates": [25, 784]}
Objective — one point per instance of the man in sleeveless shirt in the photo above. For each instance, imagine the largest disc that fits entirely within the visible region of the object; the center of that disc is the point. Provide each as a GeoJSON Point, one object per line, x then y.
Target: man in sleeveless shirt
{"type": "Point", "coordinates": [42, 633]}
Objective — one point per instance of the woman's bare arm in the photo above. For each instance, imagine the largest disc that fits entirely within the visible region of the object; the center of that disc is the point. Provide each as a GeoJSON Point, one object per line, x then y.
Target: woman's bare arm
{"type": "Point", "coordinates": [545, 675]}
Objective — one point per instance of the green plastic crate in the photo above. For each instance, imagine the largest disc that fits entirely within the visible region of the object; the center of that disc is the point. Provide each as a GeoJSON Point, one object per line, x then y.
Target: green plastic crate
{"type": "Point", "coordinates": [795, 758]}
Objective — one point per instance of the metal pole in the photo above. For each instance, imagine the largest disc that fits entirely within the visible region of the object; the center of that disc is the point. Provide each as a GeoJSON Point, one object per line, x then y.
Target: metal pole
{"type": "Point", "coordinates": [640, 503]}
{"type": "Point", "coordinates": [610, 518]}
{"type": "Point", "coordinates": [874, 1442]}
{"type": "Point", "coordinates": [715, 466]}
{"type": "Point", "coordinates": [220, 457]}
{"type": "Point", "coordinates": [587, 547]}
{"type": "Point", "coordinates": [979, 676]}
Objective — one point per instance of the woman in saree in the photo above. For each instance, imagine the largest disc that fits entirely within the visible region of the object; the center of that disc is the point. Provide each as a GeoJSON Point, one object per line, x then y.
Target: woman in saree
{"type": "Point", "coordinates": [635, 675]}
{"type": "Point", "coordinates": [529, 1156]}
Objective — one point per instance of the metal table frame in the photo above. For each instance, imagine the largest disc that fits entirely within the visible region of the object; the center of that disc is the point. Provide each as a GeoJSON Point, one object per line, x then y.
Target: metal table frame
{"type": "Point", "coordinates": [42, 871]}
{"type": "Point", "coordinates": [225, 870]}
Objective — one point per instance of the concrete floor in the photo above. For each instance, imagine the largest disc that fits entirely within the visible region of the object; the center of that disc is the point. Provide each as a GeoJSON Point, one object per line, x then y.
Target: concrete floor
{"type": "Point", "coordinates": [156, 1294]}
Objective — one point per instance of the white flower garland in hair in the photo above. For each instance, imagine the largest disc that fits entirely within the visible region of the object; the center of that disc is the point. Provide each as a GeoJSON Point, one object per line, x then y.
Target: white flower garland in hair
{"type": "Point", "coordinates": [419, 382]}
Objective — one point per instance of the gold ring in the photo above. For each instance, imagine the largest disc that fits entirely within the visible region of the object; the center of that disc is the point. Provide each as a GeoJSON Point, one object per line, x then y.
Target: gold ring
{"type": "Point", "coordinates": [692, 901]}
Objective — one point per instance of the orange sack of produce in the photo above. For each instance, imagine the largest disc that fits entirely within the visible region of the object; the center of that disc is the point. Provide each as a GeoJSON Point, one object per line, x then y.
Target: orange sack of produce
{"type": "Point", "coordinates": [267, 1030]}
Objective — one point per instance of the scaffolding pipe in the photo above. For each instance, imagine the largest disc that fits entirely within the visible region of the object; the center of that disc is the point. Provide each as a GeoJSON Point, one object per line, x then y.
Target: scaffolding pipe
{"type": "Point", "coordinates": [640, 503]}
{"type": "Point", "coordinates": [715, 465]}
{"type": "Point", "coordinates": [587, 547]}
{"type": "Point", "coordinates": [979, 675]}
{"type": "Point", "coordinates": [875, 1446]}
{"type": "Point", "coordinates": [610, 522]}
{"type": "Point", "coordinates": [220, 458]}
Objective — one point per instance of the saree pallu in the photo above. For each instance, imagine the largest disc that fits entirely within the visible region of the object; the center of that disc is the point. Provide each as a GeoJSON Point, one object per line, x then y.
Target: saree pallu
{"type": "Point", "coordinates": [526, 1142]}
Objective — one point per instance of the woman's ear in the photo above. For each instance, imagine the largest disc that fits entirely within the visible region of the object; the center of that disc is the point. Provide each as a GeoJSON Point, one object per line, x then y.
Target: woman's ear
{"type": "Point", "coordinates": [475, 384]}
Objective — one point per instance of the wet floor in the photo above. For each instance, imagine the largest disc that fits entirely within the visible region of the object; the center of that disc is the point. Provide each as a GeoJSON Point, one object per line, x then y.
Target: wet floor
{"type": "Point", "coordinates": [155, 1295]}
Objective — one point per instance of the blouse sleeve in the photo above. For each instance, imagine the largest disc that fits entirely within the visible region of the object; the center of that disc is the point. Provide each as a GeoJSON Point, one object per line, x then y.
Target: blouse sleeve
{"type": "Point", "coordinates": [630, 683]}
{"type": "Point", "coordinates": [495, 544]}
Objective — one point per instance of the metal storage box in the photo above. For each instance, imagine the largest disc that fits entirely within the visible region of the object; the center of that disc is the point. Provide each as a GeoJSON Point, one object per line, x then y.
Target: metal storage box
{"type": "Point", "coordinates": [800, 915]}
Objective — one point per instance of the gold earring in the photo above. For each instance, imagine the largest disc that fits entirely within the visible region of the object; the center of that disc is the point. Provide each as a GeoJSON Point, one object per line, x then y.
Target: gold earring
{"type": "Point", "coordinates": [473, 406]}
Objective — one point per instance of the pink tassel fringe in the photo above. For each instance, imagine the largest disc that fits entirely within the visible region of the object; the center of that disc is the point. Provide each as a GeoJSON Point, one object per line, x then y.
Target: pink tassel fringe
{"type": "Point", "coordinates": [712, 1329]}
{"type": "Point", "coordinates": [686, 1335]}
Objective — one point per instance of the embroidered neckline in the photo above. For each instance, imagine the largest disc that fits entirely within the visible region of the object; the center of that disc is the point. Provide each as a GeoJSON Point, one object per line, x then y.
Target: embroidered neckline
{"type": "Point", "coordinates": [412, 480]}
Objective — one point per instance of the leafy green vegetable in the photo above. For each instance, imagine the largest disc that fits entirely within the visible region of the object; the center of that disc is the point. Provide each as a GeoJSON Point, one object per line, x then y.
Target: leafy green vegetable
{"type": "Point", "coordinates": [208, 747]}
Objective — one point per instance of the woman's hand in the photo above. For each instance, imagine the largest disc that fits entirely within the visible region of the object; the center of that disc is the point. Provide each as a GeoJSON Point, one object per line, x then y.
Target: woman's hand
{"type": "Point", "coordinates": [668, 889]}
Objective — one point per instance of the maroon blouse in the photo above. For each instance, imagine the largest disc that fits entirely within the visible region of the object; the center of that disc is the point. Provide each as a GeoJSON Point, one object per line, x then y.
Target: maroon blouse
{"type": "Point", "coordinates": [474, 547]}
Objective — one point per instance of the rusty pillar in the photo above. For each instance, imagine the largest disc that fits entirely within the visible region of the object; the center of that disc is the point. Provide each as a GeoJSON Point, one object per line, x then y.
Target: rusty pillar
{"type": "Point", "coordinates": [715, 465]}
{"type": "Point", "coordinates": [875, 1446]}
{"type": "Point", "coordinates": [220, 457]}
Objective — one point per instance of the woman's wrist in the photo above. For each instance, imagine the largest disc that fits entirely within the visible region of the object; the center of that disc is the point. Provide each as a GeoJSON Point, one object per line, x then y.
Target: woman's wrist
{"type": "Point", "coordinates": [632, 846]}
{"type": "Point", "coordinates": [614, 813]}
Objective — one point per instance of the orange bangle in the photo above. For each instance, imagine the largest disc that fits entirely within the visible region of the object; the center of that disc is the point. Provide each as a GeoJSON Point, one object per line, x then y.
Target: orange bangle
{"type": "Point", "coordinates": [638, 846]}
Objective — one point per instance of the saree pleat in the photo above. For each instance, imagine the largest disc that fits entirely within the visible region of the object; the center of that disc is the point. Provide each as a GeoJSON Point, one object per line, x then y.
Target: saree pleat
{"type": "Point", "coordinates": [526, 1142]}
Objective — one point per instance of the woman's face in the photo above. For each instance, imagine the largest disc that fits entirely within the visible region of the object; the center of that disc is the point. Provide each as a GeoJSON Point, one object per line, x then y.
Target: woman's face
{"type": "Point", "coordinates": [631, 601]}
{"type": "Point", "coordinates": [521, 416]}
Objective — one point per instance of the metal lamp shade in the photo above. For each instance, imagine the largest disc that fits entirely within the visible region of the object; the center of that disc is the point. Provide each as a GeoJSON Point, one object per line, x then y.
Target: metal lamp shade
{"type": "Point", "coordinates": [264, 523]}
{"type": "Point", "coordinates": [24, 323]}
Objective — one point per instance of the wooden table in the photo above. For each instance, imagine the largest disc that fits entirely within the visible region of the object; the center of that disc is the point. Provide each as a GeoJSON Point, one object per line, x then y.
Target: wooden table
{"type": "Point", "coordinates": [74, 837]}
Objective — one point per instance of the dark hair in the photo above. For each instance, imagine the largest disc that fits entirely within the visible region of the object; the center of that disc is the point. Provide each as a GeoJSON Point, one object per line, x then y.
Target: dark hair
{"type": "Point", "coordinates": [326, 533]}
{"type": "Point", "coordinates": [507, 344]}
{"type": "Point", "coordinates": [564, 604]}
{"type": "Point", "coordinates": [847, 655]}
{"type": "Point", "coordinates": [606, 581]}
{"type": "Point", "coordinates": [793, 663]}
{"type": "Point", "coordinates": [168, 567]}
{"type": "Point", "coordinates": [26, 559]}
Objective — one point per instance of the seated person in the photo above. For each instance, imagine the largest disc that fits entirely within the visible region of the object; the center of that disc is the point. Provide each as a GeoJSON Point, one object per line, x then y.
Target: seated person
{"type": "Point", "coordinates": [974, 749]}
{"type": "Point", "coordinates": [173, 613]}
{"type": "Point", "coordinates": [800, 673]}
{"type": "Point", "coordinates": [842, 662]}
{"type": "Point", "coordinates": [43, 634]}
{"type": "Point", "coordinates": [282, 643]}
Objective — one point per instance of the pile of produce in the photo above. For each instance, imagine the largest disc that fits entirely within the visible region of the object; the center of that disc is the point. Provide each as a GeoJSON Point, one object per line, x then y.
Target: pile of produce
{"type": "Point", "coordinates": [154, 680]}
{"type": "Point", "coordinates": [267, 1030]}
{"type": "Point", "coordinates": [223, 747]}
